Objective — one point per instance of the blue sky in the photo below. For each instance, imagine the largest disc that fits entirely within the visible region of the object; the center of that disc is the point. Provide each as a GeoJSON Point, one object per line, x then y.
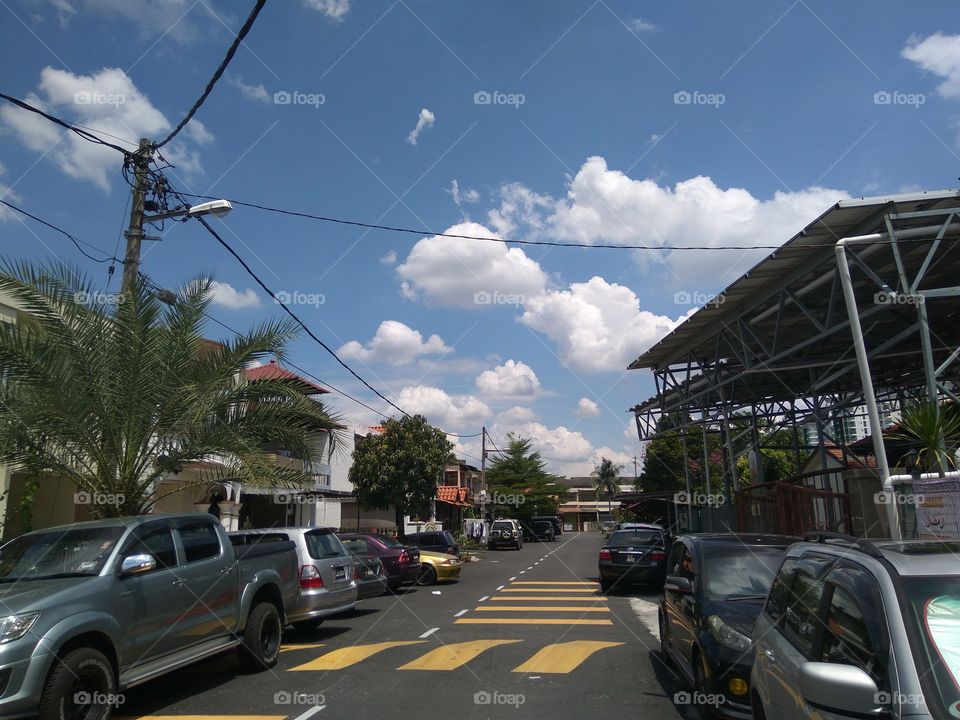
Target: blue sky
{"type": "Point", "coordinates": [624, 122]}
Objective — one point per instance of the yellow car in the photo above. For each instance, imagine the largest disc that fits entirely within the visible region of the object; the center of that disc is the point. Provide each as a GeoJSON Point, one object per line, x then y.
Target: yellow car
{"type": "Point", "coordinates": [436, 566]}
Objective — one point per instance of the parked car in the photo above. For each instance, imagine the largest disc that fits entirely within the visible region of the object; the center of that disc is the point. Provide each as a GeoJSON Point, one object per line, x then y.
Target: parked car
{"type": "Point", "coordinates": [369, 576]}
{"type": "Point", "coordinates": [857, 629]}
{"type": "Point", "coordinates": [714, 590]}
{"type": "Point", "coordinates": [555, 520]}
{"type": "Point", "coordinates": [505, 533]}
{"type": "Point", "coordinates": [327, 584]}
{"type": "Point", "coordinates": [538, 530]}
{"type": "Point", "coordinates": [401, 563]}
{"type": "Point", "coordinates": [94, 608]}
{"type": "Point", "coordinates": [435, 541]}
{"type": "Point", "coordinates": [438, 567]}
{"type": "Point", "coordinates": [632, 556]}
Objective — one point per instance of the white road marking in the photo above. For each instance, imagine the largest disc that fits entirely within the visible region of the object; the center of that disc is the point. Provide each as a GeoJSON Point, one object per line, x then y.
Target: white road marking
{"type": "Point", "coordinates": [462, 612]}
{"type": "Point", "coordinates": [513, 578]}
{"type": "Point", "coordinates": [485, 597]}
{"type": "Point", "coordinates": [429, 632]}
{"type": "Point", "coordinates": [501, 587]}
{"type": "Point", "coordinates": [310, 713]}
{"type": "Point", "coordinates": [522, 572]}
{"type": "Point", "coordinates": [647, 612]}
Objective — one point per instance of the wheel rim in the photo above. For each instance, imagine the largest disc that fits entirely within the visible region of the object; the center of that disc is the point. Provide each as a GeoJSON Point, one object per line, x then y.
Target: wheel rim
{"type": "Point", "coordinates": [88, 685]}
{"type": "Point", "coordinates": [270, 637]}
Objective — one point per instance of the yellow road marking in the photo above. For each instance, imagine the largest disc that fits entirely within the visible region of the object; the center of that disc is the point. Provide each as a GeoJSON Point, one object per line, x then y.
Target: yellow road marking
{"type": "Point", "coordinates": [548, 598]}
{"type": "Point", "coordinates": [345, 657]}
{"type": "Point", "coordinates": [548, 590]}
{"type": "Point", "coordinates": [301, 646]}
{"type": "Point", "coordinates": [450, 657]}
{"type": "Point", "coordinates": [561, 658]}
{"type": "Point", "coordinates": [200, 717]}
{"type": "Point", "coordinates": [550, 582]}
{"type": "Point", "coordinates": [527, 621]}
{"type": "Point", "coordinates": [541, 608]}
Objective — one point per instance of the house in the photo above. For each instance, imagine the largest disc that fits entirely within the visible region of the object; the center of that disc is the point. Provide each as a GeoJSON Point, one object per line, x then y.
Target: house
{"type": "Point", "coordinates": [583, 511]}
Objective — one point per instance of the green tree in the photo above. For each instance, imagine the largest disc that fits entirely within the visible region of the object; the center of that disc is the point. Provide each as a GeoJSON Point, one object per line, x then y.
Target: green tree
{"type": "Point", "coordinates": [520, 485]}
{"type": "Point", "coordinates": [400, 467]}
{"type": "Point", "coordinates": [606, 477]}
{"type": "Point", "coordinates": [932, 432]}
{"type": "Point", "coordinates": [114, 393]}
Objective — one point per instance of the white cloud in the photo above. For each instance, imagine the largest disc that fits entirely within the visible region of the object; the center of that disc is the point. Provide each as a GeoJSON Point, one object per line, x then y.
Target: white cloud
{"type": "Point", "coordinates": [557, 445]}
{"type": "Point", "coordinates": [940, 55]}
{"type": "Point", "coordinates": [512, 380]}
{"type": "Point", "coordinates": [6, 194]}
{"type": "Point", "coordinates": [334, 9]}
{"type": "Point", "coordinates": [166, 18]}
{"type": "Point", "coordinates": [462, 196]}
{"type": "Point", "coordinates": [424, 120]}
{"type": "Point", "coordinates": [227, 296]}
{"type": "Point", "coordinates": [586, 467]}
{"type": "Point", "coordinates": [107, 101]}
{"type": "Point", "coordinates": [452, 272]}
{"type": "Point", "coordinates": [394, 343]}
{"type": "Point", "coordinates": [640, 25]}
{"type": "Point", "coordinates": [390, 258]}
{"type": "Point", "coordinates": [587, 408]}
{"type": "Point", "coordinates": [520, 206]}
{"type": "Point", "coordinates": [596, 325]}
{"type": "Point", "coordinates": [257, 92]}
{"type": "Point", "coordinates": [446, 411]}
{"type": "Point", "coordinates": [514, 416]}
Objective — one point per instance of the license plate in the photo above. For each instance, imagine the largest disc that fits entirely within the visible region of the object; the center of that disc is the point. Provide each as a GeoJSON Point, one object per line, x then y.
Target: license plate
{"type": "Point", "coordinates": [629, 558]}
{"type": "Point", "coordinates": [340, 573]}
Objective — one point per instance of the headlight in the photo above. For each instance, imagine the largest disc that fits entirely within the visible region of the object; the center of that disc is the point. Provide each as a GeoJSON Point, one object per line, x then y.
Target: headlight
{"type": "Point", "coordinates": [451, 561]}
{"type": "Point", "coordinates": [726, 635]}
{"type": "Point", "coordinates": [14, 627]}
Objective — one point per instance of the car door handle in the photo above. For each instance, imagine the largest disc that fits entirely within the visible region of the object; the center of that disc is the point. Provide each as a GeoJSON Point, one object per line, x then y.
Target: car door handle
{"type": "Point", "coordinates": [179, 581]}
{"type": "Point", "coordinates": [771, 656]}
{"type": "Point", "coordinates": [224, 571]}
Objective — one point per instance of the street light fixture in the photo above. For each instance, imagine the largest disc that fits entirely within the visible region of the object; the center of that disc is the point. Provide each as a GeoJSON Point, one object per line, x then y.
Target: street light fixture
{"type": "Point", "coordinates": [216, 208]}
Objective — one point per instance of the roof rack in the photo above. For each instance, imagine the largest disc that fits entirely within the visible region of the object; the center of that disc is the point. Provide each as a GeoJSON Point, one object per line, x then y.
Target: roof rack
{"type": "Point", "coordinates": [861, 544]}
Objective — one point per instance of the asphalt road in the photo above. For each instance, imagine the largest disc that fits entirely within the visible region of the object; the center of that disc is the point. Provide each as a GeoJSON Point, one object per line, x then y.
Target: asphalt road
{"type": "Point", "coordinates": [522, 635]}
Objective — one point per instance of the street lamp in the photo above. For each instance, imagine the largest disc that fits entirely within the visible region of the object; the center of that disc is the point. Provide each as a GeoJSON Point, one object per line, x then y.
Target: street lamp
{"type": "Point", "coordinates": [216, 208]}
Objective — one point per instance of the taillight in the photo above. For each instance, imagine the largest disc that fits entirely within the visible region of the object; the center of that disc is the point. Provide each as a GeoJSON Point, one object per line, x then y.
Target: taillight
{"type": "Point", "coordinates": [404, 557]}
{"type": "Point", "coordinates": [604, 554]}
{"type": "Point", "coordinates": [658, 556]}
{"type": "Point", "coordinates": [310, 577]}
{"type": "Point", "coordinates": [356, 573]}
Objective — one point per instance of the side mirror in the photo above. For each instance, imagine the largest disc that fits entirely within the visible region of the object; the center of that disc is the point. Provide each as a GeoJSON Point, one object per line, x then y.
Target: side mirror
{"type": "Point", "coordinates": [678, 584]}
{"type": "Point", "coordinates": [137, 564]}
{"type": "Point", "coordinates": [840, 689]}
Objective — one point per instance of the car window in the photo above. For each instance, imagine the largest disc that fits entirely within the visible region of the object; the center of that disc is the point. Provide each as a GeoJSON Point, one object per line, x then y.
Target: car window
{"type": "Point", "coordinates": [676, 555]}
{"type": "Point", "coordinates": [82, 551]}
{"type": "Point", "coordinates": [388, 542]}
{"type": "Point", "coordinates": [739, 570]}
{"type": "Point", "coordinates": [357, 545]}
{"type": "Point", "coordinates": [846, 639]}
{"type": "Point", "coordinates": [635, 538]}
{"type": "Point", "coordinates": [157, 542]}
{"type": "Point", "coordinates": [687, 568]}
{"type": "Point", "coordinates": [200, 542]}
{"type": "Point", "coordinates": [777, 599]}
{"type": "Point", "coordinates": [800, 622]}
{"type": "Point", "coordinates": [322, 545]}
{"type": "Point", "coordinates": [502, 526]}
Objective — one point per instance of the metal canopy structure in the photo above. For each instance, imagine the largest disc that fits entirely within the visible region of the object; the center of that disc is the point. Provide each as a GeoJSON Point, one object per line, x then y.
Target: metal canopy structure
{"type": "Point", "coordinates": [860, 307]}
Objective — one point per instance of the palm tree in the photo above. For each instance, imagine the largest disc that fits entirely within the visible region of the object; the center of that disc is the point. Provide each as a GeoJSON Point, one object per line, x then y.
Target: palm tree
{"type": "Point", "coordinates": [115, 393]}
{"type": "Point", "coordinates": [605, 482]}
{"type": "Point", "coordinates": [933, 431]}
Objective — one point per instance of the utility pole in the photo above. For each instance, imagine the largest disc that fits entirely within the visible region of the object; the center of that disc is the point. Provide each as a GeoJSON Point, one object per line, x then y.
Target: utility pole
{"type": "Point", "coordinates": [134, 233]}
{"type": "Point", "coordinates": [483, 474]}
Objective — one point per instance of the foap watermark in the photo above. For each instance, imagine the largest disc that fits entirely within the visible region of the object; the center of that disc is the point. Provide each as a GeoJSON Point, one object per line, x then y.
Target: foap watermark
{"type": "Point", "coordinates": [95, 97]}
{"type": "Point", "coordinates": [498, 298]}
{"type": "Point", "coordinates": [85, 697]}
{"type": "Point", "coordinates": [485, 697]}
{"type": "Point", "coordinates": [292, 498]}
{"type": "Point", "coordinates": [295, 97]}
{"type": "Point", "coordinates": [894, 298]}
{"type": "Point", "coordinates": [513, 499]}
{"type": "Point", "coordinates": [298, 698]}
{"type": "Point", "coordinates": [94, 297]}
{"type": "Point", "coordinates": [483, 97]}
{"type": "Point", "coordinates": [897, 498]}
{"type": "Point", "coordinates": [695, 97]}
{"type": "Point", "coordinates": [699, 499]}
{"type": "Point", "coordinates": [82, 497]}
{"type": "Point", "coordinates": [900, 699]}
{"type": "Point", "coordinates": [699, 699]}
{"type": "Point", "coordinates": [697, 299]}
{"type": "Point", "coordinates": [895, 97]}
{"type": "Point", "coordinates": [299, 298]}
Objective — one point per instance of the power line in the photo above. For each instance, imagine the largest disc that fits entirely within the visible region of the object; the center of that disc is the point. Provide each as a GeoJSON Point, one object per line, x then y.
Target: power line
{"type": "Point", "coordinates": [495, 445]}
{"type": "Point", "coordinates": [219, 72]}
{"type": "Point", "coordinates": [63, 232]}
{"type": "Point", "coordinates": [89, 136]}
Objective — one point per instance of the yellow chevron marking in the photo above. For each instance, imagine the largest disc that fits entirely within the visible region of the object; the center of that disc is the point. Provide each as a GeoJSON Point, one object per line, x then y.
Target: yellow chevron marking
{"type": "Point", "coordinates": [548, 590]}
{"type": "Point", "coordinates": [541, 608]}
{"type": "Point", "coordinates": [550, 582]}
{"type": "Point", "coordinates": [345, 657]}
{"type": "Point", "coordinates": [549, 598]}
{"type": "Point", "coordinates": [450, 657]}
{"type": "Point", "coordinates": [528, 621]}
{"type": "Point", "coordinates": [201, 717]}
{"type": "Point", "coordinates": [561, 658]}
{"type": "Point", "coordinates": [301, 646]}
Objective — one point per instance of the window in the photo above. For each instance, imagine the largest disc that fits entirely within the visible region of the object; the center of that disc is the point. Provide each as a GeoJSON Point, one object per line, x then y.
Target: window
{"type": "Point", "coordinates": [687, 569]}
{"type": "Point", "coordinates": [800, 622]}
{"type": "Point", "coordinates": [739, 570]}
{"type": "Point", "coordinates": [781, 586]}
{"type": "Point", "coordinates": [158, 542]}
{"type": "Point", "coordinates": [200, 542]}
{"type": "Point", "coordinates": [357, 546]}
{"type": "Point", "coordinates": [676, 555]}
{"type": "Point", "coordinates": [322, 545]}
{"type": "Point", "coordinates": [635, 538]}
{"type": "Point", "coordinates": [846, 640]}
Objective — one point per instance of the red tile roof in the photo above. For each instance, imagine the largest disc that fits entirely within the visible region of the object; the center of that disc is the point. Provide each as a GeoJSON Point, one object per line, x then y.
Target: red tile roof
{"type": "Point", "coordinates": [272, 371]}
{"type": "Point", "coordinates": [452, 494]}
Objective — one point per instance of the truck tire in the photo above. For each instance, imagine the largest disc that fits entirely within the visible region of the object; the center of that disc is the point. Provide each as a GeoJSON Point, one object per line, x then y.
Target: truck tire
{"type": "Point", "coordinates": [261, 638]}
{"type": "Point", "coordinates": [81, 685]}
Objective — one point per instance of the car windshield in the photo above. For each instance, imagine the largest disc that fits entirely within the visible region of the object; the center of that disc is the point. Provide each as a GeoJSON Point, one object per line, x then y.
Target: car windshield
{"type": "Point", "coordinates": [63, 553]}
{"type": "Point", "coordinates": [634, 538]}
{"type": "Point", "coordinates": [322, 545]}
{"type": "Point", "coordinates": [502, 526]}
{"type": "Point", "coordinates": [389, 542]}
{"type": "Point", "coordinates": [740, 571]}
{"type": "Point", "coordinates": [933, 606]}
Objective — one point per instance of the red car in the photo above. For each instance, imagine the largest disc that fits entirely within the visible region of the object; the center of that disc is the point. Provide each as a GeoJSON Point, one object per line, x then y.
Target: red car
{"type": "Point", "coordinates": [401, 563]}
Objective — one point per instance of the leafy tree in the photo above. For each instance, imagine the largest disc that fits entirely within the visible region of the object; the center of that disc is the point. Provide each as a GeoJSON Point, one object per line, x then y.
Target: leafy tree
{"type": "Point", "coordinates": [400, 467]}
{"type": "Point", "coordinates": [519, 483]}
{"type": "Point", "coordinates": [114, 393]}
{"type": "Point", "coordinates": [932, 431]}
{"type": "Point", "coordinates": [606, 477]}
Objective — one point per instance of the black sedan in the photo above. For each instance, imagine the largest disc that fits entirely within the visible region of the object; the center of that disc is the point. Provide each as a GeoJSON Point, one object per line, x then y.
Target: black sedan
{"type": "Point", "coordinates": [401, 563]}
{"type": "Point", "coordinates": [714, 590]}
{"type": "Point", "coordinates": [632, 556]}
{"type": "Point", "coordinates": [538, 531]}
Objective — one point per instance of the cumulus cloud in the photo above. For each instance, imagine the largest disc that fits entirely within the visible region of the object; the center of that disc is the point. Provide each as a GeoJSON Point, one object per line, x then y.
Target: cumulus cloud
{"type": "Point", "coordinates": [514, 416]}
{"type": "Point", "coordinates": [424, 120]}
{"type": "Point", "coordinates": [390, 258]}
{"type": "Point", "coordinates": [462, 196]}
{"type": "Point", "coordinates": [443, 410]}
{"type": "Point", "coordinates": [257, 92]}
{"type": "Point", "coordinates": [455, 272]}
{"type": "Point", "coordinates": [557, 444]}
{"type": "Point", "coordinates": [227, 296]}
{"type": "Point", "coordinates": [587, 408]}
{"type": "Point", "coordinates": [394, 343]}
{"type": "Point", "coordinates": [334, 9]}
{"type": "Point", "coordinates": [938, 54]}
{"type": "Point", "coordinates": [167, 18]}
{"type": "Point", "coordinates": [640, 25]}
{"type": "Point", "coordinates": [512, 380]}
{"type": "Point", "coordinates": [107, 101]}
{"type": "Point", "coordinates": [596, 325]}
{"type": "Point", "coordinates": [588, 465]}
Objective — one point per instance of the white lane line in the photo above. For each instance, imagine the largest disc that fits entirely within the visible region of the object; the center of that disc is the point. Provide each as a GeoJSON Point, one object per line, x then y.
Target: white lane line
{"type": "Point", "coordinates": [429, 632]}
{"type": "Point", "coordinates": [512, 579]}
{"type": "Point", "coordinates": [501, 587]}
{"type": "Point", "coordinates": [485, 597]}
{"type": "Point", "coordinates": [530, 568]}
{"type": "Point", "coordinates": [522, 572]}
{"type": "Point", "coordinates": [462, 612]}
{"type": "Point", "coordinates": [646, 611]}
{"type": "Point", "coordinates": [311, 712]}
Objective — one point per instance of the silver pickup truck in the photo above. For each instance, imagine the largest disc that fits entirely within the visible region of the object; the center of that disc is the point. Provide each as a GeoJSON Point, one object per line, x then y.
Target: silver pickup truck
{"type": "Point", "coordinates": [90, 609]}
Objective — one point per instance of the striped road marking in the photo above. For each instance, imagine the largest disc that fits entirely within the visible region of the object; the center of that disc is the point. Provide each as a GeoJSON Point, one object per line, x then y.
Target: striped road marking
{"type": "Point", "coordinates": [450, 657]}
{"type": "Point", "coordinates": [561, 658]}
{"type": "Point", "coordinates": [549, 590]}
{"type": "Point", "coordinates": [202, 717]}
{"type": "Point", "coordinates": [541, 608]}
{"type": "Point", "coordinates": [526, 621]}
{"type": "Point", "coordinates": [345, 657]}
{"type": "Point", "coordinates": [551, 598]}
{"type": "Point", "coordinates": [300, 646]}
{"type": "Point", "coordinates": [553, 582]}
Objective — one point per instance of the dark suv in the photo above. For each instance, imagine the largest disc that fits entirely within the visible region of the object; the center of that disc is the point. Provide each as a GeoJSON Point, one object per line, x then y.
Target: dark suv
{"type": "Point", "coordinates": [713, 592]}
{"type": "Point", "coordinates": [434, 541]}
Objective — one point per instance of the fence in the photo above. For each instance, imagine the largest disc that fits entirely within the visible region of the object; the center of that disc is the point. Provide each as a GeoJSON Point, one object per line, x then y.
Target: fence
{"type": "Point", "coordinates": [787, 509]}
